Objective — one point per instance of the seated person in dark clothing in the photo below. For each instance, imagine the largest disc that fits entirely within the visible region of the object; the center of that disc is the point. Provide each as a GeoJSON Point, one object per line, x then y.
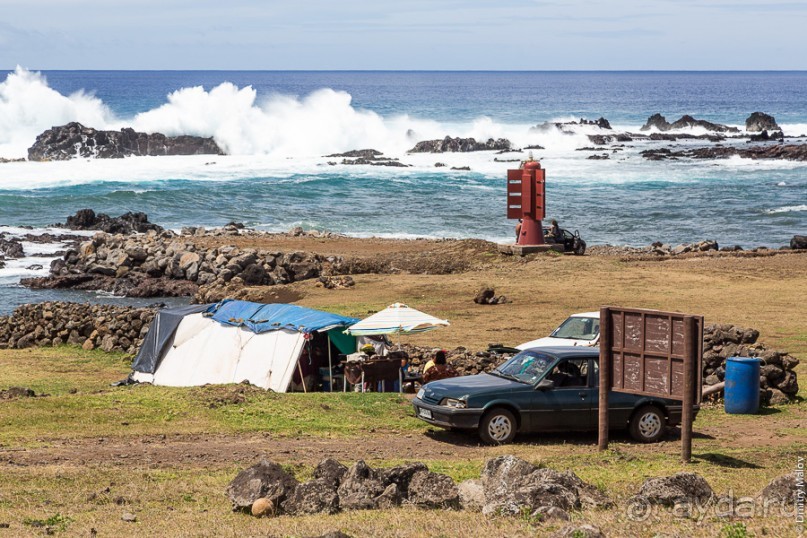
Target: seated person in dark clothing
{"type": "Point", "coordinates": [567, 374]}
{"type": "Point", "coordinates": [556, 232]}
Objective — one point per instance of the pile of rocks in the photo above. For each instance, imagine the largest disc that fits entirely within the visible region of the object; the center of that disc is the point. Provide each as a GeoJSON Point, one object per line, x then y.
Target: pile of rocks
{"type": "Point", "coordinates": [777, 376]}
{"type": "Point", "coordinates": [460, 358]}
{"type": "Point", "coordinates": [266, 489]}
{"type": "Point", "coordinates": [655, 249]}
{"type": "Point", "coordinates": [507, 486]}
{"type": "Point", "coordinates": [111, 328]}
{"type": "Point", "coordinates": [164, 264]}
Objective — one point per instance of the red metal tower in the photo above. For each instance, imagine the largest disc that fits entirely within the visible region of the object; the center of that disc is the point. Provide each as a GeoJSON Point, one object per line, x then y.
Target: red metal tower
{"type": "Point", "coordinates": [526, 196]}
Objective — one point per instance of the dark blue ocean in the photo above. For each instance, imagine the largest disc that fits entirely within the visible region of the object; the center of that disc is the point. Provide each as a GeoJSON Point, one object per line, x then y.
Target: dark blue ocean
{"type": "Point", "coordinates": [278, 127]}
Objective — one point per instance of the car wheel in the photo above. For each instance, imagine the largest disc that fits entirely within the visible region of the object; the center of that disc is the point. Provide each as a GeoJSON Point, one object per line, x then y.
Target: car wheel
{"type": "Point", "coordinates": [498, 427]}
{"type": "Point", "coordinates": [579, 248]}
{"type": "Point", "coordinates": [647, 424]}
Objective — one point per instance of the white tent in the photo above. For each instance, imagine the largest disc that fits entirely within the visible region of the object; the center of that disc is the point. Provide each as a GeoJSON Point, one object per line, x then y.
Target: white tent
{"type": "Point", "coordinates": [231, 342]}
{"type": "Point", "coordinates": [396, 318]}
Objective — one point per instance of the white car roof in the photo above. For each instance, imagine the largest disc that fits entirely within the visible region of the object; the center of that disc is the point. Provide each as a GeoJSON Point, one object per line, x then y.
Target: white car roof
{"type": "Point", "coordinates": [586, 315]}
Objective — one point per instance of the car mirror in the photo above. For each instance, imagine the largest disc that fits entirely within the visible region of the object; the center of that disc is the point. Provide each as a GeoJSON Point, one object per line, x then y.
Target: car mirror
{"type": "Point", "coordinates": [545, 384]}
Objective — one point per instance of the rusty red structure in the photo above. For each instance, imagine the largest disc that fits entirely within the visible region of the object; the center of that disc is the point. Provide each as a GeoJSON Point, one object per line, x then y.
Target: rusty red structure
{"type": "Point", "coordinates": [526, 196]}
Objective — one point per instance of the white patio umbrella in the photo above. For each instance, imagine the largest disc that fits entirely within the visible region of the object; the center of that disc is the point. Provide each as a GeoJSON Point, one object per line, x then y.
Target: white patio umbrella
{"type": "Point", "coordinates": [396, 319]}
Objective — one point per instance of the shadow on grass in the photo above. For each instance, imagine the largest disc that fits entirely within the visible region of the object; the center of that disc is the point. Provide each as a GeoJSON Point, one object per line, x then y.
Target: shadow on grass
{"type": "Point", "coordinates": [768, 411]}
{"type": "Point", "coordinates": [471, 439]}
{"type": "Point", "coordinates": [726, 461]}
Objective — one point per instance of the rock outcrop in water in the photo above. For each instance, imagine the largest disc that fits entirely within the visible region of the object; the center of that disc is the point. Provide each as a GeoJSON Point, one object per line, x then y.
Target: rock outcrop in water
{"type": "Point", "coordinates": [459, 145]}
{"type": "Point", "coordinates": [128, 223]}
{"type": "Point", "coordinates": [790, 152]}
{"type": "Point", "coordinates": [75, 140]}
{"type": "Point", "coordinates": [685, 122]}
{"type": "Point", "coordinates": [759, 121]}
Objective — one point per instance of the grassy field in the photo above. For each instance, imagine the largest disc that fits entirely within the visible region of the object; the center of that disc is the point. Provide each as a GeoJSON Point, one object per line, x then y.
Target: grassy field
{"type": "Point", "coordinates": [80, 457]}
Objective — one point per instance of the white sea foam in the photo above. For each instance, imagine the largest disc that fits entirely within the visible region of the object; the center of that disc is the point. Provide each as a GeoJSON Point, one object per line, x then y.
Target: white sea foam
{"type": "Point", "coordinates": [36, 254]}
{"type": "Point", "coordinates": [29, 106]}
{"type": "Point", "coordinates": [787, 209]}
{"type": "Point", "coordinates": [285, 138]}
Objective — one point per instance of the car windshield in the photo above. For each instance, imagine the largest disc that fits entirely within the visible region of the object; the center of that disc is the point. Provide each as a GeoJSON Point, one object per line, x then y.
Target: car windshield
{"type": "Point", "coordinates": [578, 328]}
{"type": "Point", "coordinates": [526, 367]}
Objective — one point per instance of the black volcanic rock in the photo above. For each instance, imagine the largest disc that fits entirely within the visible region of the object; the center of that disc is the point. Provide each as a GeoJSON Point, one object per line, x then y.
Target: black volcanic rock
{"type": "Point", "coordinates": [358, 153]}
{"type": "Point", "coordinates": [759, 121]}
{"type": "Point", "coordinates": [459, 145]}
{"type": "Point", "coordinates": [75, 140]}
{"type": "Point", "coordinates": [765, 135]}
{"type": "Point", "coordinates": [685, 122]}
{"type": "Point", "coordinates": [658, 121]}
{"type": "Point", "coordinates": [791, 152]}
{"type": "Point", "coordinates": [128, 223]}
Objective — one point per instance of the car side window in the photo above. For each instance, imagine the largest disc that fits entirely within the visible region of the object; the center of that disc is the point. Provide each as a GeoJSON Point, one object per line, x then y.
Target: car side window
{"type": "Point", "coordinates": [567, 234]}
{"type": "Point", "coordinates": [570, 373]}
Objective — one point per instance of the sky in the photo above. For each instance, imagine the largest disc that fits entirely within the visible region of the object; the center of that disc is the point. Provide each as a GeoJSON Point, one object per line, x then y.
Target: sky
{"type": "Point", "coordinates": [404, 35]}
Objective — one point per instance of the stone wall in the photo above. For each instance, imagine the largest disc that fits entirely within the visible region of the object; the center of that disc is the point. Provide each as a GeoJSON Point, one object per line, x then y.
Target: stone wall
{"type": "Point", "coordinates": [163, 264]}
{"type": "Point", "coordinates": [777, 375]}
{"type": "Point", "coordinates": [108, 327]}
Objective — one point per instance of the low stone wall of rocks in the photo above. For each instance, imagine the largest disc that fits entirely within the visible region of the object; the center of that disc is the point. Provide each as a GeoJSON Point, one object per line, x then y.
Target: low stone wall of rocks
{"type": "Point", "coordinates": [659, 250]}
{"type": "Point", "coordinates": [265, 489]}
{"type": "Point", "coordinates": [107, 327]}
{"type": "Point", "coordinates": [777, 376]}
{"type": "Point", "coordinates": [165, 264]}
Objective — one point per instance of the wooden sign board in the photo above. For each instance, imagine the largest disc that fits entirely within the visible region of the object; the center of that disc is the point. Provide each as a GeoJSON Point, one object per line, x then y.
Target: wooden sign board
{"type": "Point", "coordinates": [651, 353]}
{"type": "Point", "coordinates": [648, 350]}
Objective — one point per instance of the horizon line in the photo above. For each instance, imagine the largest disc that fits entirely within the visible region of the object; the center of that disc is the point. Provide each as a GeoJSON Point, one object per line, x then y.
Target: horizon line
{"type": "Point", "coordinates": [426, 70]}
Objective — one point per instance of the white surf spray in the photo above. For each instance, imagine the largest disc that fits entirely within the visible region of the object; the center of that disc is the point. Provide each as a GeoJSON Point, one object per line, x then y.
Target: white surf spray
{"type": "Point", "coordinates": [29, 106]}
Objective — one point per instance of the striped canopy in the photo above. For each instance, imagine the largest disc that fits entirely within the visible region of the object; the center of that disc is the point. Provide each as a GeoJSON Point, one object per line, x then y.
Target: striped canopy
{"type": "Point", "coordinates": [396, 318]}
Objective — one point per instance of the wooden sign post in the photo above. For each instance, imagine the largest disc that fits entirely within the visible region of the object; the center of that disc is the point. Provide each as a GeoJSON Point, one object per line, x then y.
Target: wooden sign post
{"type": "Point", "coordinates": [651, 353]}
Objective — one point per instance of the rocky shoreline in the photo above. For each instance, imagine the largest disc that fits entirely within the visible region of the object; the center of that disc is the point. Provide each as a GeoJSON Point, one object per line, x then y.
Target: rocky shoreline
{"type": "Point", "coordinates": [132, 257]}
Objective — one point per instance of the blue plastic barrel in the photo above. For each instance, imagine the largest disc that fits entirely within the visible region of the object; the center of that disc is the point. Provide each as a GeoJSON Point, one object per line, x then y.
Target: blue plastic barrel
{"type": "Point", "coordinates": [742, 385]}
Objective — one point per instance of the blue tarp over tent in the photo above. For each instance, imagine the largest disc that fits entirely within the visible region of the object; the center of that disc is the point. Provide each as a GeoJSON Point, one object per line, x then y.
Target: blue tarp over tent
{"type": "Point", "coordinates": [261, 318]}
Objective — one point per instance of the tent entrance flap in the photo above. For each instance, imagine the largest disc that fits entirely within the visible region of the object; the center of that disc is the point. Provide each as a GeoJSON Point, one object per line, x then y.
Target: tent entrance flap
{"type": "Point", "coordinates": [344, 343]}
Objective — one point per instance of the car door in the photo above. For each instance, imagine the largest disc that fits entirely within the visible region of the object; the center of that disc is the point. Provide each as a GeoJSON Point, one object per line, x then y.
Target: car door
{"type": "Point", "coordinates": [568, 241]}
{"type": "Point", "coordinates": [567, 405]}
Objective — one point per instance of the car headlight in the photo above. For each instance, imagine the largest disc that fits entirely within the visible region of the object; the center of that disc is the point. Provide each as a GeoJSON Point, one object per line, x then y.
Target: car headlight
{"type": "Point", "coordinates": [421, 393]}
{"type": "Point", "coordinates": [453, 402]}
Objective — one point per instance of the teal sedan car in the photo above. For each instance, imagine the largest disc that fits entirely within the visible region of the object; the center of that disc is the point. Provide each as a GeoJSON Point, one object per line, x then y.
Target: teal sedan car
{"type": "Point", "coordinates": [540, 390]}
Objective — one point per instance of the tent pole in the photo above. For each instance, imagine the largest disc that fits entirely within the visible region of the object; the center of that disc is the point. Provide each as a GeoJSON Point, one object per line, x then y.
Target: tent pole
{"type": "Point", "coordinates": [302, 379]}
{"type": "Point", "coordinates": [330, 363]}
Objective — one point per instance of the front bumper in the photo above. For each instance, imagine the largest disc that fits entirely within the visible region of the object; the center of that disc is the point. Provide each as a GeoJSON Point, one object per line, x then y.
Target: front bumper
{"type": "Point", "coordinates": [447, 417]}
